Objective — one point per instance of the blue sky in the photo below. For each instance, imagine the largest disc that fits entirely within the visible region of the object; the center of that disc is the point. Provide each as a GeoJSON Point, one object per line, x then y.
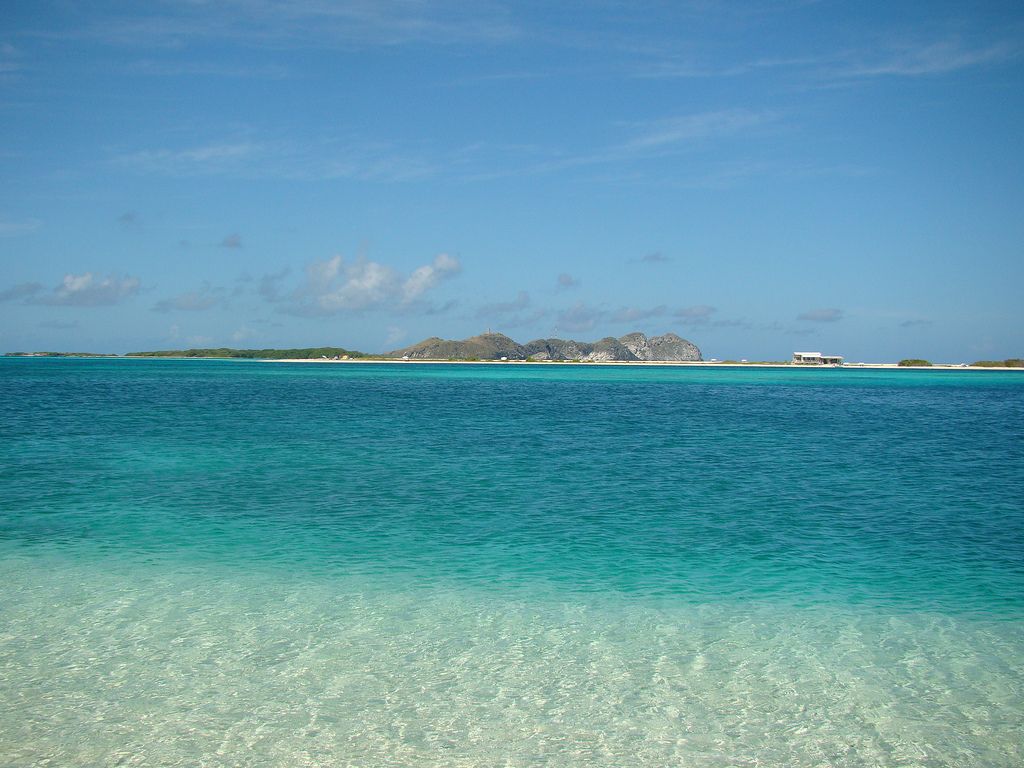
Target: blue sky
{"type": "Point", "coordinates": [758, 177]}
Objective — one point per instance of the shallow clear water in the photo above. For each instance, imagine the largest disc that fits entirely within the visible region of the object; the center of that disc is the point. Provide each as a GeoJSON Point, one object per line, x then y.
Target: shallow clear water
{"type": "Point", "coordinates": [235, 563]}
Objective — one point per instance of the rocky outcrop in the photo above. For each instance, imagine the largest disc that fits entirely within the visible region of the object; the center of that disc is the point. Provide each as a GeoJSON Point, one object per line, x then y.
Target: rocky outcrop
{"type": "Point", "coordinates": [638, 345]}
{"type": "Point", "coordinates": [494, 346]}
{"type": "Point", "coordinates": [557, 349]}
{"type": "Point", "coordinates": [668, 346]}
{"type": "Point", "coordinates": [486, 346]}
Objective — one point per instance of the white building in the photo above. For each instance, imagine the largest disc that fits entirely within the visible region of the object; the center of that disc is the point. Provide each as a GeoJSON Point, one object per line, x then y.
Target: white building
{"type": "Point", "coordinates": [816, 358]}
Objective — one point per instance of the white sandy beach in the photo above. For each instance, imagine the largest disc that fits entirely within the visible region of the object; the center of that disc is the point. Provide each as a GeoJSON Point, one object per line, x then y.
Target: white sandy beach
{"type": "Point", "coordinates": [650, 363]}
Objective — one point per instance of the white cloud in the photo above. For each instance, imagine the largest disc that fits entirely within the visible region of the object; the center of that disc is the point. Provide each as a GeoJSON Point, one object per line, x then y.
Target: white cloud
{"type": "Point", "coordinates": [88, 290]}
{"type": "Point", "coordinates": [336, 285]}
{"type": "Point", "coordinates": [426, 277]}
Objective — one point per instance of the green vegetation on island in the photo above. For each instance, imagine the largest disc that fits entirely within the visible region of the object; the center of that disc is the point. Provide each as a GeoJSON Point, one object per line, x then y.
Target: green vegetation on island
{"type": "Point", "coordinates": [1012, 362]}
{"type": "Point", "coordinates": [306, 353]}
{"type": "Point", "coordinates": [914, 362]}
{"type": "Point", "coordinates": [56, 354]}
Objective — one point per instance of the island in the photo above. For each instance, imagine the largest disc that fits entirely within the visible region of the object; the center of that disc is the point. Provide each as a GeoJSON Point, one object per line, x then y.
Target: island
{"type": "Point", "coordinates": [305, 353]}
{"type": "Point", "coordinates": [633, 347]}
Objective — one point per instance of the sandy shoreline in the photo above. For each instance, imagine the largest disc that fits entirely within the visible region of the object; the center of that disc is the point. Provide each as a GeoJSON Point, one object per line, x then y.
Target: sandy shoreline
{"type": "Point", "coordinates": [654, 363]}
{"type": "Point", "coordinates": [623, 363]}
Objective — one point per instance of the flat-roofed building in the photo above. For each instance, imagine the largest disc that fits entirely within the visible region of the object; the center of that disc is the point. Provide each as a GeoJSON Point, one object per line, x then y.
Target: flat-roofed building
{"type": "Point", "coordinates": [816, 358]}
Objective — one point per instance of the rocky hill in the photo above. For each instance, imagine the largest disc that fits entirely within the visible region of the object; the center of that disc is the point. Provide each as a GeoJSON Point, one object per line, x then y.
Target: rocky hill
{"type": "Point", "coordinates": [486, 346]}
{"type": "Point", "coordinates": [494, 346]}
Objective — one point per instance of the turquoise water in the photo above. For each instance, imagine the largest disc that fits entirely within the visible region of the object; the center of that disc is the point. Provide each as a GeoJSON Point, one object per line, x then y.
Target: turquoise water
{"type": "Point", "coordinates": [238, 563]}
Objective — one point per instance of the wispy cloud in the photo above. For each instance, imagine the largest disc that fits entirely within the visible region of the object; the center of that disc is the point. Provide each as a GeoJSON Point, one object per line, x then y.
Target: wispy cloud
{"type": "Point", "coordinates": [204, 159]}
{"type": "Point", "coordinates": [674, 134]}
{"type": "Point", "coordinates": [177, 68]}
{"type": "Point", "coordinates": [645, 141]}
{"type": "Point", "coordinates": [200, 300]}
{"type": "Point", "coordinates": [864, 59]}
{"type": "Point", "coordinates": [271, 287]}
{"type": "Point", "coordinates": [657, 257]}
{"type": "Point", "coordinates": [698, 314]}
{"type": "Point", "coordinates": [925, 58]}
{"type": "Point", "coordinates": [10, 59]}
{"type": "Point", "coordinates": [325, 158]}
{"type": "Point", "coordinates": [430, 309]}
{"type": "Point", "coordinates": [665, 133]}
{"type": "Point", "coordinates": [520, 302]}
{"type": "Point", "coordinates": [21, 291]}
{"type": "Point", "coordinates": [512, 314]}
{"type": "Point", "coordinates": [89, 290]}
{"type": "Point", "coordinates": [672, 65]}
{"type": "Point", "coordinates": [395, 335]}
{"type": "Point", "coordinates": [269, 24]}
{"type": "Point", "coordinates": [635, 314]}
{"type": "Point", "coordinates": [582, 317]}
{"type": "Point", "coordinates": [566, 281]}
{"type": "Point", "coordinates": [731, 323]}
{"type": "Point", "coordinates": [382, 161]}
{"type": "Point", "coordinates": [919, 323]}
{"type": "Point", "coordinates": [128, 218]}
{"type": "Point", "coordinates": [58, 325]}
{"type": "Point", "coordinates": [496, 77]}
{"type": "Point", "coordinates": [234, 240]}
{"type": "Point", "coordinates": [827, 315]}
{"type": "Point", "coordinates": [579, 317]}
{"type": "Point", "coordinates": [12, 228]}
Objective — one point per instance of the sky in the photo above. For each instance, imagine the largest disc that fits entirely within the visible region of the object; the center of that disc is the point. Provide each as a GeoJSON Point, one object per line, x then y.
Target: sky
{"type": "Point", "coordinates": [758, 177]}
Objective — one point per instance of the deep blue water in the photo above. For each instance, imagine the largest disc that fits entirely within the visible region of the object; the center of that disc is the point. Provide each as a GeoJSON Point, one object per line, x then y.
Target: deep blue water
{"type": "Point", "coordinates": [802, 534]}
